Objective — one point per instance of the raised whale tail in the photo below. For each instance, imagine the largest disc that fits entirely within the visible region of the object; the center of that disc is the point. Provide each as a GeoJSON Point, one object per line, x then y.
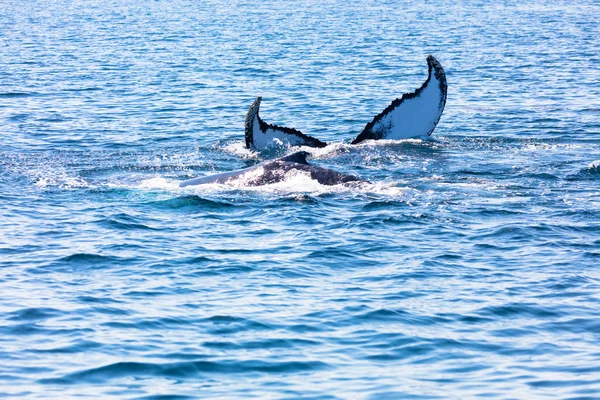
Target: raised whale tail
{"type": "Point", "coordinates": [415, 114]}
{"type": "Point", "coordinates": [259, 134]}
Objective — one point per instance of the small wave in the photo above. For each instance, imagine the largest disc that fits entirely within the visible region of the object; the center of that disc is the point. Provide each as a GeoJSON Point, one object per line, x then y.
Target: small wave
{"type": "Point", "coordinates": [13, 95]}
{"type": "Point", "coordinates": [79, 346]}
{"type": "Point", "coordinates": [182, 370]}
{"type": "Point", "coordinates": [123, 222]}
{"type": "Point", "coordinates": [590, 172]}
{"type": "Point", "coordinates": [273, 343]}
{"type": "Point", "coordinates": [166, 397]}
{"type": "Point", "coordinates": [193, 201]}
{"type": "Point", "coordinates": [87, 260]}
{"type": "Point", "coordinates": [593, 167]}
{"type": "Point", "coordinates": [84, 257]}
{"type": "Point", "coordinates": [159, 183]}
{"type": "Point", "coordinates": [34, 314]}
{"type": "Point", "coordinates": [520, 310]}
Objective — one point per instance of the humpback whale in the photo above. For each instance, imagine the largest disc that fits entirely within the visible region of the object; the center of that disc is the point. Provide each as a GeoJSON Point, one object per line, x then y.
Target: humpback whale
{"type": "Point", "coordinates": [275, 171]}
{"type": "Point", "coordinates": [415, 114]}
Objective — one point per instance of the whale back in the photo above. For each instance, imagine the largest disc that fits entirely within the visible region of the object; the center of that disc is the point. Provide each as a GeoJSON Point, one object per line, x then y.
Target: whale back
{"type": "Point", "coordinates": [298, 157]}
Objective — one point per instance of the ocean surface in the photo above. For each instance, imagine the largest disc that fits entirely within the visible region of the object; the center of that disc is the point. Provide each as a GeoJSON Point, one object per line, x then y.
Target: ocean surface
{"type": "Point", "coordinates": [469, 268]}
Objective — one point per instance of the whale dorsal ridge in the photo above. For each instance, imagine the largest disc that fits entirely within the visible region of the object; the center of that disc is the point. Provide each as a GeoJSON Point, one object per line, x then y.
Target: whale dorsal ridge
{"type": "Point", "coordinates": [297, 157]}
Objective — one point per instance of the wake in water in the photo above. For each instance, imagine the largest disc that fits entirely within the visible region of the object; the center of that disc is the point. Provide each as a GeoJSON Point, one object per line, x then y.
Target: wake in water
{"type": "Point", "coordinates": [295, 182]}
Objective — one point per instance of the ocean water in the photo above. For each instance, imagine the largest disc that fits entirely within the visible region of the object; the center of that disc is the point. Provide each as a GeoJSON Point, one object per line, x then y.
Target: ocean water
{"type": "Point", "coordinates": [467, 269]}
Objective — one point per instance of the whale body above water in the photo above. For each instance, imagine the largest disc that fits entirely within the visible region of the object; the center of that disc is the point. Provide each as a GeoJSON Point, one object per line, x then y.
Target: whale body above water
{"type": "Point", "coordinates": [274, 171]}
{"type": "Point", "coordinates": [414, 115]}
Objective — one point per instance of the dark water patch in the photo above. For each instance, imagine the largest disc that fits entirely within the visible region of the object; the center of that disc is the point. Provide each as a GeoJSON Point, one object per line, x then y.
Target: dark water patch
{"type": "Point", "coordinates": [475, 319]}
{"type": "Point", "coordinates": [111, 311]}
{"type": "Point", "coordinates": [217, 269]}
{"type": "Point", "coordinates": [17, 95]}
{"type": "Point", "coordinates": [123, 221]}
{"type": "Point", "coordinates": [305, 328]}
{"type": "Point", "coordinates": [185, 370]}
{"type": "Point", "coordinates": [329, 253]}
{"type": "Point", "coordinates": [521, 310]}
{"type": "Point", "coordinates": [152, 324]}
{"type": "Point", "coordinates": [591, 172]}
{"type": "Point", "coordinates": [98, 300]}
{"type": "Point", "coordinates": [544, 176]}
{"type": "Point", "coordinates": [197, 260]}
{"type": "Point", "coordinates": [188, 356]}
{"type": "Point", "coordinates": [562, 383]}
{"type": "Point", "coordinates": [265, 344]}
{"type": "Point", "coordinates": [165, 397]}
{"type": "Point", "coordinates": [20, 117]}
{"type": "Point", "coordinates": [395, 316]}
{"type": "Point", "coordinates": [84, 89]}
{"type": "Point", "coordinates": [495, 247]}
{"type": "Point", "coordinates": [34, 314]}
{"type": "Point", "coordinates": [196, 202]}
{"type": "Point", "coordinates": [404, 353]}
{"type": "Point", "coordinates": [394, 395]}
{"type": "Point", "coordinates": [386, 205]}
{"type": "Point", "coordinates": [90, 261]}
{"type": "Point", "coordinates": [576, 325]}
{"type": "Point", "coordinates": [564, 283]}
{"type": "Point", "coordinates": [292, 273]}
{"type": "Point", "coordinates": [80, 346]}
{"type": "Point", "coordinates": [485, 171]}
{"type": "Point", "coordinates": [465, 369]}
{"type": "Point", "coordinates": [516, 233]}
{"type": "Point", "coordinates": [143, 294]}
{"type": "Point", "coordinates": [512, 332]}
{"type": "Point", "coordinates": [575, 369]}
{"type": "Point", "coordinates": [32, 329]}
{"type": "Point", "coordinates": [404, 295]}
{"type": "Point", "coordinates": [228, 325]}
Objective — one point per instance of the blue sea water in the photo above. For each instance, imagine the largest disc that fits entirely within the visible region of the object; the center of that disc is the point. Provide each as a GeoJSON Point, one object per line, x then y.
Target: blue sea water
{"type": "Point", "coordinates": [468, 269]}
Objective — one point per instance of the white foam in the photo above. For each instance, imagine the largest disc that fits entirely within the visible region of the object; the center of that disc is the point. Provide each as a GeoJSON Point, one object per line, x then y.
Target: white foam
{"type": "Point", "coordinates": [238, 148]}
{"type": "Point", "coordinates": [158, 183]}
{"type": "Point", "coordinates": [294, 182]}
{"type": "Point", "coordinates": [328, 151]}
{"type": "Point", "coordinates": [59, 179]}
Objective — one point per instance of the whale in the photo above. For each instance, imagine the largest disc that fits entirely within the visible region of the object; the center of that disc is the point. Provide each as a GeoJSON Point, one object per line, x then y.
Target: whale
{"type": "Point", "coordinates": [414, 115]}
{"type": "Point", "coordinates": [274, 171]}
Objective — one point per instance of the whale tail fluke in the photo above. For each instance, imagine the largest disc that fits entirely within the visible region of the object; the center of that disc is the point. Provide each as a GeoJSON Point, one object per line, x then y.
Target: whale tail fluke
{"type": "Point", "coordinates": [260, 135]}
{"type": "Point", "coordinates": [249, 122]}
{"type": "Point", "coordinates": [413, 115]}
